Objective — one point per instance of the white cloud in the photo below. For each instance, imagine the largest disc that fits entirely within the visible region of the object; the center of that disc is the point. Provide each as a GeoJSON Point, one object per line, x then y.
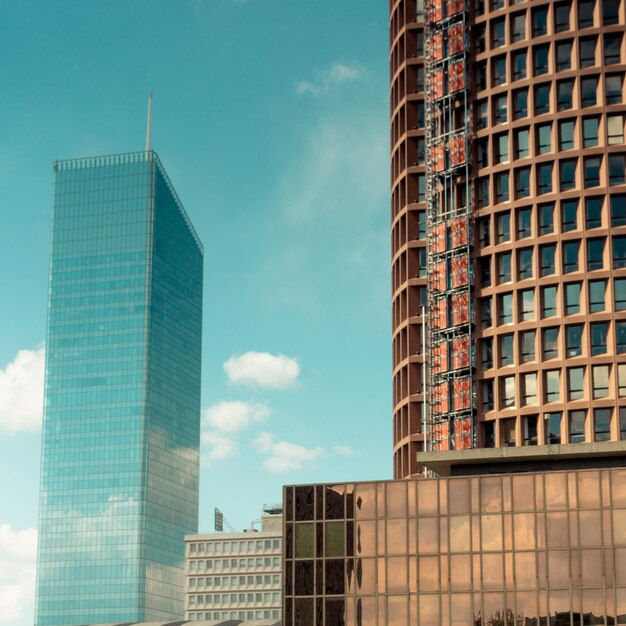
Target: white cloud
{"type": "Point", "coordinates": [229, 417]}
{"type": "Point", "coordinates": [283, 456]}
{"type": "Point", "coordinates": [343, 450]}
{"type": "Point", "coordinates": [335, 74]}
{"type": "Point", "coordinates": [219, 446]}
{"type": "Point", "coordinates": [18, 553]}
{"type": "Point", "coordinates": [261, 369]}
{"type": "Point", "coordinates": [21, 392]}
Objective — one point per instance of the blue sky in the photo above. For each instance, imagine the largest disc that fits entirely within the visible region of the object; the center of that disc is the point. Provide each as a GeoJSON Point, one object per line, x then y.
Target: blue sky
{"type": "Point", "coordinates": [271, 117]}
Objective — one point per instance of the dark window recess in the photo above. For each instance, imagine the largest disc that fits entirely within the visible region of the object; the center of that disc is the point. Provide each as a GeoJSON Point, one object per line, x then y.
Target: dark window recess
{"type": "Point", "coordinates": [595, 248]}
{"type": "Point", "coordinates": [585, 13]}
{"type": "Point", "coordinates": [569, 210]}
{"type": "Point", "coordinates": [618, 210]}
{"type": "Point", "coordinates": [616, 169]}
{"type": "Point", "coordinates": [542, 99]}
{"type": "Point", "coordinates": [540, 21]}
{"type": "Point", "coordinates": [573, 340]}
{"type": "Point", "coordinates": [565, 90]}
{"type": "Point", "coordinates": [612, 44]}
{"type": "Point", "coordinates": [610, 12]}
{"type": "Point", "coordinates": [620, 334]}
{"type": "Point", "coordinates": [570, 256]}
{"type": "Point", "coordinates": [530, 430]}
{"type": "Point", "coordinates": [540, 60]}
{"type": "Point", "coordinates": [598, 337]}
{"type": "Point", "coordinates": [602, 424]}
{"type": "Point", "coordinates": [619, 252]}
{"type": "Point", "coordinates": [592, 171]}
{"type": "Point", "coordinates": [544, 178]}
{"type": "Point", "coordinates": [520, 104]}
{"type": "Point", "coordinates": [577, 426]}
{"type": "Point", "coordinates": [547, 260]}
{"type": "Point", "coordinates": [489, 434]}
{"type": "Point", "coordinates": [522, 182]}
{"type": "Point", "coordinates": [564, 55]}
{"type": "Point", "coordinates": [561, 17]}
{"type": "Point", "coordinates": [553, 428]}
{"type": "Point", "coordinates": [619, 289]}
{"type": "Point", "coordinates": [546, 219]}
{"type": "Point", "coordinates": [588, 91]}
{"type": "Point", "coordinates": [567, 174]}
{"type": "Point", "coordinates": [588, 52]}
{"type": "Point", "coordinates": [593, 212]}
{"type": "Point", "coordinates": [613, 88]}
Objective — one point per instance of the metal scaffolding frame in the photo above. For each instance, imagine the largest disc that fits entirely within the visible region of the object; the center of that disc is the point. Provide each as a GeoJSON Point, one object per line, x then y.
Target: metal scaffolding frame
{"type": "Point", "coordinates": [451, 395]}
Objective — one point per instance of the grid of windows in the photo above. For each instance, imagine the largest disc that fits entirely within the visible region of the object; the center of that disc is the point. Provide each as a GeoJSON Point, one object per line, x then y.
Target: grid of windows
{"type": "Point", "coordinates": [544, 548]}
{"type": "Point", "coordinates": [234, 576]}
{"type": "Point", "coordinates": [553, 130]}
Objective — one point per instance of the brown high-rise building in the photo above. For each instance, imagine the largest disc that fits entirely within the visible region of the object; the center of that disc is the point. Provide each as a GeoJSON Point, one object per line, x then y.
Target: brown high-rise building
{"type": "Point", "coordinates": [508, 224]}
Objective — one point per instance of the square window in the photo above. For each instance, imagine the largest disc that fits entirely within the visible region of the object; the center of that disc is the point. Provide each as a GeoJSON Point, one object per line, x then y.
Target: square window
{"type": "Point", "coordinates": [501, 148]}
{"type": "Point", "coordinates": [573, 339]}
{"type": "Point", "coordinates": [553, 385]}
{"type": "Point", "coordinates": [595, 250]}
{"type": "Point", "coordinates": [506, 350]}
{"type": "Point", "coordinates": [590, 132]}
{"type": "Point", "coordinates": [503, 227]}
{"type": "Point", "coordinates": [561, 17]}
{"type": "Point", "coordinates": [612, 45]}
{"type": "Point", "coordinates": [600, 381]}
{"type": "Point", "coordinates": [567, 174]}
{"type": "Point", "coordinates": [525, 263]}
{"type": "Point", "coordinates": [529, 389]}
{"type": "Point", "coordinates": [547, 254]}
{"type": "Point", "coordinates": [588, 52]}
{"type": "Point", "coordinates": [540, 21]}
{"type": "Point", "coordinates": [569, 210]}
{"type": "Point", "coordinates": [615, 129]}
{"type": "Point", "coordinates": [506, 308]}
{"type": "Point", "coordinates": [566, 134]}
{"type": "Point", "coordinates": [499, 71]}
{"type": "Point", "coordinates": [527, 341]}
{"type": "Point", "coordinates": [597, 290]}
{"type": "Point", "coordinates": [610, 12]}
{"type": "Point", "coordinates": [564, 90]}
{"type": "Point", "coordinates": [497, 32]}
{"type": "Point", "coordinates": [563, 55]}
{"type": "Point", "coordinates": [546, 219]}
{"type": "Point", "coordinates": [522, 182]}
{"type": "Point", "coordinates": [521, 143]}
{"type": "Point", "coordinates": [585, 13]}
{"type": "Point", "coordinates": [542, 98]}
{"type": "Point", "coordinates": [598, 337]}
{"type": "Point", "coordinates": [540, 60]}
{"type": "Point", "coordinates": [502, 187]}
{"type": "Point", "coordinates": [523, 223]}
{"type": "Point", "coordinates": [572, 298]}
{"type": "Point", "coordinates": [520, 104]}
{"type": "Point", "coordinates": [527, 305]}
{"type": "Point", "coordinates": [486, 317]}
{"type": "Point", "coordinates": [613, 88]}
{"type": "Point", "coordinates": [570, 256]}
{"type": "Point", "coordinates": [544, 178]}
{"type": "Point", "coordinates": [550, 343]}
{"type": "Point", "coordinates": [575, 383]}
{"type": "Point", "coordinates": [616, 169]}
{"type": "Point", "coordinates": [593, 212]}
{"type": "Point", "coordinates": [592, 171]}
{"type": "Point", "coordinates": [548, 302]}
{"type": "Point", "coordinates": [504, 267]}
{"type": "Point", "coordinates": [619, 287]}
{"type": "Point", "coordinates": [544, 138]}
{"type": "Point", "coordinates": [518, 27]}
{"type": "Point", "coordinates": [518, 60]}
{"type": "Point", "coordinates": [602, 423]}
{"type": "Point", "coordinates": [500, 109]}
{"type": "Point", "coordinates": [577, 426]}
{"type": "Point", "coordinates": [619, 252]}
{"type": "Point", "coordinates": [552, 428]}
{"type": "Point", "coordinates": [620, 335]}
{"type": "Point", "coordinates": [588, 91]}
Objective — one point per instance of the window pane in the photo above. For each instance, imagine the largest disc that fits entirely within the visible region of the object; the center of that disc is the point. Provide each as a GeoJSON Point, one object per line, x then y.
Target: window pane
{"type": "Point", "coordinates": [573, 336]}
{"type": "Point", "coordinates": [602, 424]}
{"type": "Point", "coordinates": [546, 219]}
{"type": "Point", "coordinates": [572, 298]}
{"type": "Point", "coordinates": [600, 381]}
{"type": "Point", "coordinates": [527, 340]}
{"type": "Point", "coordinates": [577, 426]}
{"type": "Point", "coordinates": [595, 249]}
{"type": "Point", "coordinates": [575, 384]}
{"type": "Point", "coordinates": [593, 212]}
{"type": "Point", "coordinates": [527, 305]}
{"type": "Point", "coordinates": [548, 301]}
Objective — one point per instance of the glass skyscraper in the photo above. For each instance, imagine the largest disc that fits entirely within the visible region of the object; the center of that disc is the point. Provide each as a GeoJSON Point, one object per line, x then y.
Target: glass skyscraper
{"type": "Point", "coordinates": [119, 481]}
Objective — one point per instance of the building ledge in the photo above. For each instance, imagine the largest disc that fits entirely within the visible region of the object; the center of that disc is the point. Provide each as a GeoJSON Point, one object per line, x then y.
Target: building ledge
{"type": "Point", "coordinates": [525, 459]}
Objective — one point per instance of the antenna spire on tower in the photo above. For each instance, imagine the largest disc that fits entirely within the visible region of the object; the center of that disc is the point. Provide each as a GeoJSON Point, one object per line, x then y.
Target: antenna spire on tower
{"type": "Point", "coordinates": [149, 126]}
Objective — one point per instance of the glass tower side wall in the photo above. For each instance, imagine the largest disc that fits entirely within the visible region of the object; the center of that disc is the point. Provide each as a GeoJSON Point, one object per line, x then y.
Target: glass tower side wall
{"type": "Point", "coordinates": [172, 427]}
{"type": "Point", "coordinates": [96, 529]}
{"type": "Point", "coordinates": [530, 549]}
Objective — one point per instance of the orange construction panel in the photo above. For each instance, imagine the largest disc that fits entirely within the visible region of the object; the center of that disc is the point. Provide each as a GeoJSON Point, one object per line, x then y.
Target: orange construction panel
{"type": "Point", "coordinates": [460, 352]}
{"type": "Point", "coordinates": [440, 398]}
{"type": "Point", "coordinates": [456, 41]}
{"type": "Point", "coordinates": [437, 47]}
{"type": "Point", "coordinates": [440, 319]}
{"type": "Point", "coordinates": [458, 154]}
{"type": "Point", "coordinates": [437, 11]}
{"type": "Point", "coordinates": [455, 6]}
{"type": "Point", "coordinates": [439, 244]}
{"type": "Point", "coordinates": [439, 277]}
{"type": "Point", "coordinates": [438, 158]}
{"type": "Point", "coordinates": [458, 231]}
{"type": "Point", "coordinates": [440, 358]}
{"type": "Point", "coordinates": [460, 274]}
{"type": "Point", "coordinates": [456, 76]}
{"type": "Point", "coordinates": [439, 84]}
{"type": "Point", "coordinates": [461, 394]}
{"type": "Point", "coordinates": [460, 309]}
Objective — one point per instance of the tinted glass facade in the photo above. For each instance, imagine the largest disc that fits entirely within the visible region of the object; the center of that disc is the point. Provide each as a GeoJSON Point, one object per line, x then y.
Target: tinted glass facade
{"type": "Point", "coordinates": [119, 482]}
{"type": "Point", "coordinates": [536, 549]}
